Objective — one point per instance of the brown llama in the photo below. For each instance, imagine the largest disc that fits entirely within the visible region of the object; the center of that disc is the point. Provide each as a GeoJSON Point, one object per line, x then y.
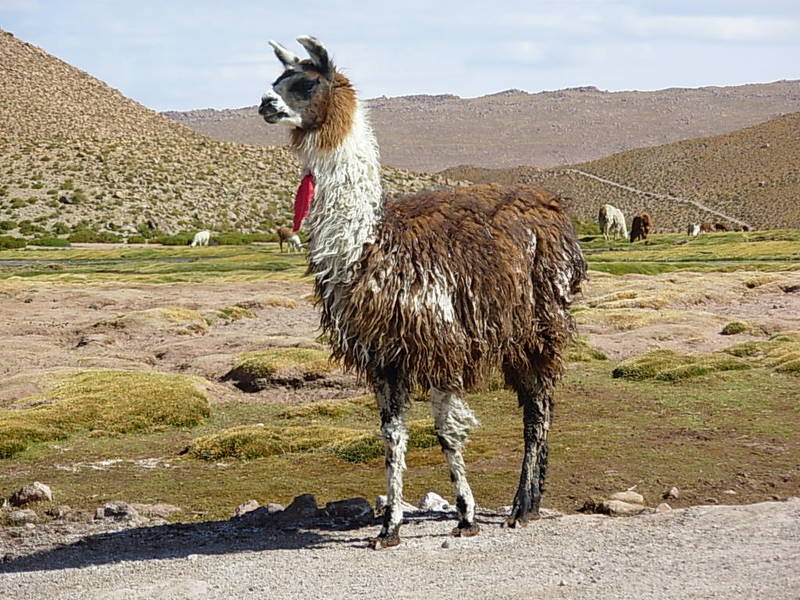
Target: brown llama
{"type": "Point", "coordinates": [706, 227]}
{"type": "Point", "coordinates": [431, 290]}
{"type": "Point", "coordinates": [291, 239]}
{"type": "Point", "coordinates": [640, 227]}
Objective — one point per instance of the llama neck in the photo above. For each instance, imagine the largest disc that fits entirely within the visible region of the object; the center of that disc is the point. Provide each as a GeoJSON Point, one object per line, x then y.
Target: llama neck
{"type": "Point", "coordinates": [347, 202]}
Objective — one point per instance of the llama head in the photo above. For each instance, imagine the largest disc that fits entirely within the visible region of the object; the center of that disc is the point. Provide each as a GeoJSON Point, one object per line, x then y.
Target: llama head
{"type": "Point", "coordinates": [308, 90]}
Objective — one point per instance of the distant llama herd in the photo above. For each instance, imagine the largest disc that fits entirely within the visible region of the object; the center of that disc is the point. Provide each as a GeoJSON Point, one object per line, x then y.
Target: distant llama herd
{"type": "Point", "coordinates": [612, 224]}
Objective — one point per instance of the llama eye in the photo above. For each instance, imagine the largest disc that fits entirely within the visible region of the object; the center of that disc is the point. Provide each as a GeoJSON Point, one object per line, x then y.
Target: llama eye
{"type": "Point", "coordinates": [302, 87]}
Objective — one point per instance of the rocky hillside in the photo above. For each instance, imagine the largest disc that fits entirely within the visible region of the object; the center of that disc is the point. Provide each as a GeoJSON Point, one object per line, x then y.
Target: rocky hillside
{"type": "Point", "coordinates": [752, 175]}
{"type": "Point", "coordinates": [77, 154]}
{"type": "Point", "coordinates": [431, 133]}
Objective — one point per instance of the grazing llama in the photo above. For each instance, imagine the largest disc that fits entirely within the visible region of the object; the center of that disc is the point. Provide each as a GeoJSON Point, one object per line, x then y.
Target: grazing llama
{"type": "Point", "coordinates": [611, 222]}
{"type": "Point", "coordinates": [291, 239]}
{"type": "Point", "coordinates": [431, 290]}
{"type": "Point", "coordinates": [693, 230]}
{"type": "Point", "coordinates": [640, 227]}
{"type": "Point", "coordinates": [201, 238]}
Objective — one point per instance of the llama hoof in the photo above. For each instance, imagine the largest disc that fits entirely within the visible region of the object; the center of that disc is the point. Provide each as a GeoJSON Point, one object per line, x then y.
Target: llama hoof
{"type": "Point", "coordinates": [466, 531]}
{"type": "Point", "coordinates": [384, 541]}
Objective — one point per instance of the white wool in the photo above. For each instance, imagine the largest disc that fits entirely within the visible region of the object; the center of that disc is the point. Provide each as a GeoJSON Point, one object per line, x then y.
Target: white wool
{"type": "Point", "coordinates": [347, 205]}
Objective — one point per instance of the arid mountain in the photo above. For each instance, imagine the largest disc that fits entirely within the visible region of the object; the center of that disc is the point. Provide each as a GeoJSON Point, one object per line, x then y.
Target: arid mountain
{"type": "Point", "coordinates": [752, 175]}
{"type": "Point", "coordinates": [76, 153]}
{"type": "Point", "coordinates": [431, 133]}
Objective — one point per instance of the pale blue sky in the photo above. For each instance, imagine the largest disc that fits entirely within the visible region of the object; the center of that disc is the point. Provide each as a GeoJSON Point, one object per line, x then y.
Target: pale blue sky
{"type": "Point", "coordinates": [196, 54]}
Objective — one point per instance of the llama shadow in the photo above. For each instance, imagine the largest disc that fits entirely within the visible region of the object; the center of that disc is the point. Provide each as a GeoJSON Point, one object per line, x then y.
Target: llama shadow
{"type": "Point", "coordinates": [180, 540]}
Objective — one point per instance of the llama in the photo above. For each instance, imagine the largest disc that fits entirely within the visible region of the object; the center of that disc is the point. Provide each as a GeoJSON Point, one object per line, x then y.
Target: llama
{"type": "Point", "coordinates": [201, 238]}
{"type": "Point", "coordinates": [612, 222]}
{"type": "Point", "coordinates": [286, 235]}
{"type": "Point", "coordinates": [430, 290]}
{"type": "Point", "coordinates": [640, 227]}
{"type": "Point", "coordinates": [693, 230]}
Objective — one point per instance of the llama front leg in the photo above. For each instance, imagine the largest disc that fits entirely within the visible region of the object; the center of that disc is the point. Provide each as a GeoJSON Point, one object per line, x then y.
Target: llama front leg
{"type": "Point", "coordinates": [537, 406]}
{"type": "Point", "coordinates": [453, 419]}
{"type": "Point", "coordinates": [392, 395]}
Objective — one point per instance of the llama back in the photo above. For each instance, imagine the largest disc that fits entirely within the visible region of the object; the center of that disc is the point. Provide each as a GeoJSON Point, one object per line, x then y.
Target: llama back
{"type": "Point", "coordinates": [457, 267]}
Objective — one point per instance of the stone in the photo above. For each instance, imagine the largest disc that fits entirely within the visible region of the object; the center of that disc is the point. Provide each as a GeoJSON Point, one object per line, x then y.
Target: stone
{"type": "Point", "coordinates": [22, 517]}
{"type": "Point", "coordinates": [273, 508]}
{"type": "Point", "coordinates": [629, 496]}
{"type": "Point", "coordinates": [433, 502]}
{"type": "Point", "coordinates": [671, 494]}
{"type": "Point", "coordinates": [160, 510]}
{"type": "Point", "coordinates": [302, 508]}
{"type": "Point", "coordinates": [663, 507]}
{"type": "Point", "coordinates": [117, 511]}
{"type": "Point", "coordinates": [58, 512]}
{"type": "Point", "coordinates": [618, 508]}
{"type": "Point", "coordinates": [353, 511]}
{"type": "Point", "coordinates": [33, 492]}
{"type": "Point", "coordinates": [245, 507]}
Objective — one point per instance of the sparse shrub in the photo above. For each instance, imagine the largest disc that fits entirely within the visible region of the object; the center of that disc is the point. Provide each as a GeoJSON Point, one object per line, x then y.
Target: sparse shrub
{"type": "Point", "coordinates": [50, 241]}
{"type": "Point", "coordinates": [8, 242]}
{"type": "Point", "coordinates": [59, 228]}
{"type": "Point", "coordinates": [7, 225]}
{"type": "Point", "coordinates": [87, 236]}
{"type": "Point", "coordinates": [136, 239]}
{"type": "Point", "coordinates": [734, 327]}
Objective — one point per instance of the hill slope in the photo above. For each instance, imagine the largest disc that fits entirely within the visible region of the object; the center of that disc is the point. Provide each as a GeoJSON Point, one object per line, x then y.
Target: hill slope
{"type": "Point", "coordinates": [430, 133]}
{"type": "Point", "coordinates": [77, 153]}
{"type": "Point", "coordinates": [752, 175]}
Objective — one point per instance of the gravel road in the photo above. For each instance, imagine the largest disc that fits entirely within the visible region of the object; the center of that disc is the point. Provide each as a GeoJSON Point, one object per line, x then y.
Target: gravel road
{"type": "Point", "coordinates": [730, 552]}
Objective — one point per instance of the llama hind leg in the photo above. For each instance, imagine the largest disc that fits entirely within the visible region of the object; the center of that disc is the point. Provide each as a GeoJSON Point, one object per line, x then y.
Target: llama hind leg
{"type": "Point", "coordinates": [453, 419]}
{"type": "Point", "coordinates": [536, 398]}
{"type": "Point", "coordinates": [392, 395]}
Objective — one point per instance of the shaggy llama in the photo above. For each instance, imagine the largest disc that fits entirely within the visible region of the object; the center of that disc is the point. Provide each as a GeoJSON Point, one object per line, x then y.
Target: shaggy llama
{"type": "Point", "coordinates": [431, 290]}
{"type": "Point", "coordinates": [612, 222]}
{"type": "Point", "coordinates": [201, 238]}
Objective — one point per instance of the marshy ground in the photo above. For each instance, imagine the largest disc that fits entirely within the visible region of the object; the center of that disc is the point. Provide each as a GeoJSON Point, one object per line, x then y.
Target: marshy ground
{"type": "Point", "coordinates": [197, 377]}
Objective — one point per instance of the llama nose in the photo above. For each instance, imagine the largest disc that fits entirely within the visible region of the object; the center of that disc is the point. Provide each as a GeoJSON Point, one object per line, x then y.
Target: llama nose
{"type": "Point", "coordinates": [267, 106]}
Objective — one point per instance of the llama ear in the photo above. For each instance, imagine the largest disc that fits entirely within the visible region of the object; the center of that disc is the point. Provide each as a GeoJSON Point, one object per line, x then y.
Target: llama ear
{"type": "Point", "coordinates": [318, 54]}
{"type": "Point", "coordinates": [287, 57]}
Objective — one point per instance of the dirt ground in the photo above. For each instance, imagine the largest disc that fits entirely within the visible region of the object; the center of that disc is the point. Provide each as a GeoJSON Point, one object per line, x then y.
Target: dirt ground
{"type": "Point", "coordinates": [51, 327]}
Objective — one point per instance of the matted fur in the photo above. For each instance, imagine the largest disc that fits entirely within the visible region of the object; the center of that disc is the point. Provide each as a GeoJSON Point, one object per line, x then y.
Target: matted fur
{"type": "Point", "coordinates": [456, 282]}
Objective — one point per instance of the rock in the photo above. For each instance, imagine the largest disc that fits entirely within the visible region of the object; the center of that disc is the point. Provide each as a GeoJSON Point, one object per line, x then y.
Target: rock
{"type": "Point", "coordinates": [353, 511]}
{"type": "Point", "coordinates": [22, 517]}
{"type": "Point", "coordinates": [628, 496]}
{"type": "Point", "coordinates": [159, 510]}
{"type": "Point", "coordinates": [671, 494]}
{"type": "Point", "coordinates": [117, 511]}
{"type": "Point", "coordinates": [614, 508]}
{"type": "Point", "coordinates": [618, 508]}
{"type": "Point", "coordinates": [433, 501]}
{"type": "Point", "coordinates": [245, 507]}
{"type": "Point", "coordinates": [302, 508]}
{"type": "Point", "coordinates": [730, 492]}
{"type": "Point", "coordinates": [273, 508]}
{"type": "Point", "coordinates": [445, 544]}
{"type": "Point", "coordinates": [33, 492]}
{"type": "Point", "coordinates": [663, 507]}
{"type": "Point", "coordinates": [711, 500]}
{"type": "Point", "coordinates": [58, 512]}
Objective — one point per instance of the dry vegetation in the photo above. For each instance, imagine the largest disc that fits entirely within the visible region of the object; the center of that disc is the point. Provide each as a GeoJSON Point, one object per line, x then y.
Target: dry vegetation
{"type": "Point", "coordinates": [98, 164]}
{"type": "Point", "coordinates": [737, 174]}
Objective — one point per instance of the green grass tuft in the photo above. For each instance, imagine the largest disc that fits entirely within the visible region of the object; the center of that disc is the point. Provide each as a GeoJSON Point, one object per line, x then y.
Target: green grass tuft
{"type": "Point", "coordinates": [734, 327]}
{"type": "Point", "coordinates": [105, 402]}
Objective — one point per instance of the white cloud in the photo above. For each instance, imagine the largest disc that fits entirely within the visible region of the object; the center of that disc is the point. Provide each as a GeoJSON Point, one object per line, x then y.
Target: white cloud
{"type": "Point", "coordinates": [714, 28]}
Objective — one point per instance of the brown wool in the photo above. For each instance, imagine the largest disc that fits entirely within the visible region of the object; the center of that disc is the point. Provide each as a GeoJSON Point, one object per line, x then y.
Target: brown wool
{"type": "Point", "coordinates": [506, 301]}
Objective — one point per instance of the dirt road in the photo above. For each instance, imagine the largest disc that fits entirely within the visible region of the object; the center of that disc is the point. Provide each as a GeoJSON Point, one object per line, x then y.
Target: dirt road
{"type": "Point", "coordinates": [729, 552]}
